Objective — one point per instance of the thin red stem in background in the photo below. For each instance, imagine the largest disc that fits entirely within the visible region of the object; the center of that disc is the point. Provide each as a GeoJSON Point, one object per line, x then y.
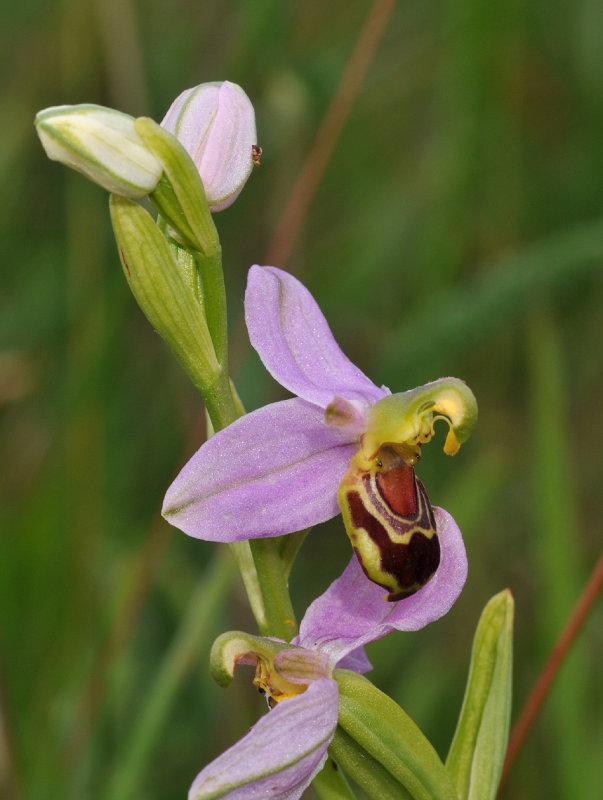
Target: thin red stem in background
{"type": "Point", "coordinates": [291, 220]}
{"type": "Point", "coordinates": [551, 668]}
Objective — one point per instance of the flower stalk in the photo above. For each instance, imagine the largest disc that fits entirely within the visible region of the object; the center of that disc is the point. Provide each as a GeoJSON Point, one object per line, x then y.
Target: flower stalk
{"type": "Point", "coordinates": [280, 616]}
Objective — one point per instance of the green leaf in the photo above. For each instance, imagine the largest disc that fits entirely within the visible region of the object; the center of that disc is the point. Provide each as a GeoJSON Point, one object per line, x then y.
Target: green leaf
{"type": "Point", "coordinates": [366, 771]}
{"type": "Point", "coordinates": [478, 748]}
{"type": "Point", "coordinates": [391, 738]}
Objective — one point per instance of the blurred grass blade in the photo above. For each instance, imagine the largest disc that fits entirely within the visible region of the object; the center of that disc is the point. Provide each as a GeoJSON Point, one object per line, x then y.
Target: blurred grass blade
{"type": "Point", "coordinates": [558, 521]}
{"type": "Point", "coordinates": [478, 748]}
{"type": "Point", "coordinates": [190, 641]}
{"type": "Point", "coordinates": [550, 671]}
{"type": "Point", "coordinates": [492, 301]}
{"type": "Point", "coordinates": [388, 735]}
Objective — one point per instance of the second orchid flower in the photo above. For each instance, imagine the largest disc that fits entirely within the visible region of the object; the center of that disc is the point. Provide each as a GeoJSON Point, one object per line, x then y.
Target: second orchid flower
{"type": "Point", "coordinates": [283, 752]}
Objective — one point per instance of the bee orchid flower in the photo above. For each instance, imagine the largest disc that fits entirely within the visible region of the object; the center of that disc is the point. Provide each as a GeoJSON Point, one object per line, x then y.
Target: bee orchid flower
{"type": "Point", "coordinates": [286, 748]}
{"type": "Point", "coordinates": [342, 443]}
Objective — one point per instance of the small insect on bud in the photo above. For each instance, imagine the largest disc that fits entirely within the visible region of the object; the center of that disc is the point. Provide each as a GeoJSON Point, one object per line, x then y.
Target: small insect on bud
{"type": "Point", "coordinates": [390, 522]}
{"type": "Point", "coordinates": [256, 154]}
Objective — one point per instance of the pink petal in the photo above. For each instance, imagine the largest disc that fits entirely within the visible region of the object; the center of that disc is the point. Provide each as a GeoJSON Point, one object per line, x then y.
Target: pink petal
{"type": "Point", "coordinates": [301, 666]}
{"type": "Point", "coordinates": [280, 755]}
{"type": "Point", "coordinates": [296, 345]}
{"type": "Point", "coordinates": [357, 661]}
{"type": "Point", "coordinates": [271, 472]}
{"type": "Point", "coordinates": [215, 122]}
{"type": "Point", "coordinates": [352, 612]}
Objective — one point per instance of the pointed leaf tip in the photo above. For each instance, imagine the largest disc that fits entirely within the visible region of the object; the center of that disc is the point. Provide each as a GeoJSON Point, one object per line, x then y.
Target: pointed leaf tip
{"type": "Point", "coordinates": [477, 752]}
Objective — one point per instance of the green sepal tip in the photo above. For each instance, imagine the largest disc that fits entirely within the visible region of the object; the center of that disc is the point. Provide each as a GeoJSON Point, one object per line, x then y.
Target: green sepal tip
{"type": "Point", "coordinates": [179, 196]}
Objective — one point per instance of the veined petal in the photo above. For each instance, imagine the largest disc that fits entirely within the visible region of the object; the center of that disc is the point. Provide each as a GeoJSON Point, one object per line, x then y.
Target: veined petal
{"type": "Point", "coordinates": [298, 665]}
{"type": "Point", "coordinates": [215, 122]}
{"type": "Point", "coordinates": [356, 660]}
{"type": "Point", "coordinates": [352, 612]}
{"type": "Point", "coordinates": [295, 343]}
{"type": "Point", "coordinates": [226, 158]}
{"type": "Point", "coordinates": [271, 472]}
{"type": "Point", "coordinates": [280, 755]}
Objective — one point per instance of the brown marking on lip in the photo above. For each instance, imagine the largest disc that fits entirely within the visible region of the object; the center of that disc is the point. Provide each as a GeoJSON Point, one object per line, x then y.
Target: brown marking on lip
{"type": "Point", "coordinates": [411, 565]}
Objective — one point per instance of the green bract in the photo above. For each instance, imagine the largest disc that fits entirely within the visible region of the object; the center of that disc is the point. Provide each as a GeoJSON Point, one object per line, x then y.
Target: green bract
{"type": "Point", "coordinates": [392, 741]}
{"type": "Point", "coordinates": [162, 292]}
{"type": "Point", "coordinates": [179, 197]}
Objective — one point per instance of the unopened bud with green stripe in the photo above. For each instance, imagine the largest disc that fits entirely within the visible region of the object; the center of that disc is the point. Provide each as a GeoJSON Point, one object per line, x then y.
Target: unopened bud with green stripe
{"type": "Point", "coordinates": [102, 144]}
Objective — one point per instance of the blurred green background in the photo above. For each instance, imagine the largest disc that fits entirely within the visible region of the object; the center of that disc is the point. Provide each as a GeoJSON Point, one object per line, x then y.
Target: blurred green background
{"type": "Point", "coordinates": [457, 230]}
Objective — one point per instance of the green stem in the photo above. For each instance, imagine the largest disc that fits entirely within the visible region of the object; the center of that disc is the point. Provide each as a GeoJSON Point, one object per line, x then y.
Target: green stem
{"type": "Point", "coordinates": [271, 605]}
{"type": "Point", "coordinates": [289, 547]}
{"type": "Point", "coordinates": [249, 575]}
{"type": "Point", "coordinates": [264, 570]}
{"type": "Point", "coordinates": [214, 298]}
{"type": "Point", "coordinates": [279, 614]}
{"type": "Point", "coordinates": [219, 402]}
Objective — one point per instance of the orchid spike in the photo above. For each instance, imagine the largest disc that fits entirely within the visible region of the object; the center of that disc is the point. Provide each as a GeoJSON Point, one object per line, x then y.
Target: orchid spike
{"type": "Point", "coordinates": [284, 467]}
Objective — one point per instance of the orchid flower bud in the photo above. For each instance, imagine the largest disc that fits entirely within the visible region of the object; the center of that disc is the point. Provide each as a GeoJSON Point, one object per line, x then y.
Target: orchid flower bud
{"type": "Point", "coordinates": [216, 124]}
{"type": "Point", "coordinates": [102, 144]}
